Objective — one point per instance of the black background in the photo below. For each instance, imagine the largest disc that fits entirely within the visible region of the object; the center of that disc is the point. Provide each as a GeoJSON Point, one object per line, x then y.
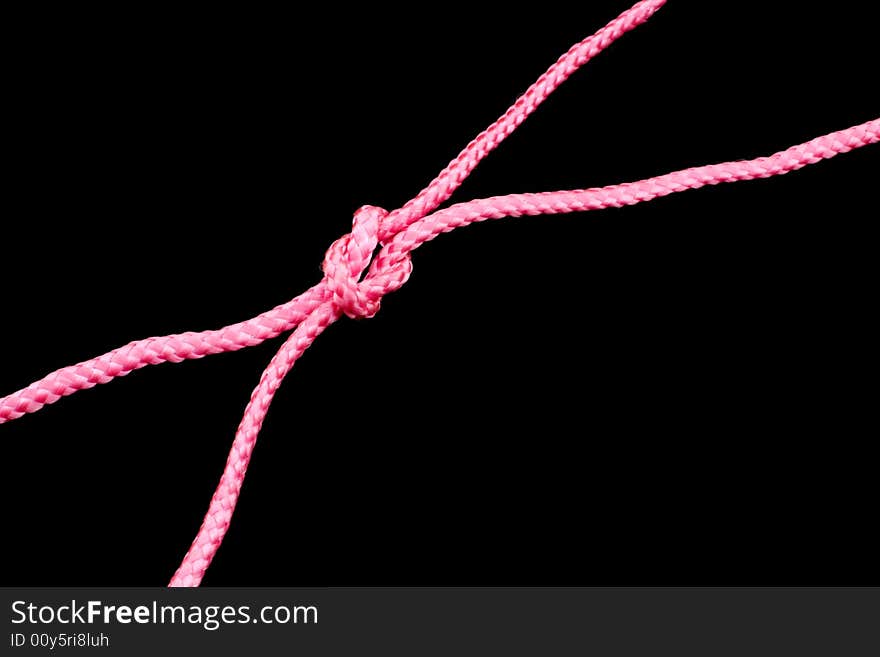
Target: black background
{"type": "Point", "coordinates": [673, 393]}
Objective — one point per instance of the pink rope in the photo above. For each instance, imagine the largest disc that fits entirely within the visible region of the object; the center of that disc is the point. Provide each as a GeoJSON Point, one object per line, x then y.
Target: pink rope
{"type": "Point", "coordinates": [355, 280]}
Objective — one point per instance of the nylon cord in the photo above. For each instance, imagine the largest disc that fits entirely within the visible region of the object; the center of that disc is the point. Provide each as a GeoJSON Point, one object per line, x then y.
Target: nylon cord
{"type": "Point", "coordinates": [355, 281]}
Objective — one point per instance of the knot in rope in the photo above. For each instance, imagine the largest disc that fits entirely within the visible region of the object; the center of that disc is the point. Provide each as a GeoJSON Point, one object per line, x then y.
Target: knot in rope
{"type": "Point", "coordinates": [355, 294]}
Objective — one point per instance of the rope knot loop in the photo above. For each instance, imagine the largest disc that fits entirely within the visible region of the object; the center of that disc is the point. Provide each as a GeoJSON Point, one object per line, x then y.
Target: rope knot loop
{"type": "Point", "coordinates": [355, 294]}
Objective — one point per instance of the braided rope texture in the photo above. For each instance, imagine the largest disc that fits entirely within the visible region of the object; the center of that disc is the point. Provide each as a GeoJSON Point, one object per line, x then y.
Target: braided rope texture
{"type": "Point", "coordinates": [355, 280]}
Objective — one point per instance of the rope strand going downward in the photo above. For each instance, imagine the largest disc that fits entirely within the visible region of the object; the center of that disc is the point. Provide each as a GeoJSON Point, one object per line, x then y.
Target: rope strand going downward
{"type": "Point", "coordinates": [355, 281]}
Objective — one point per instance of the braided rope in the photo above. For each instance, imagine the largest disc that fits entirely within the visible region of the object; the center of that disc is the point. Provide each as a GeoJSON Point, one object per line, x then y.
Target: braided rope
{"type": "Point", "coordinates": [355, 281]}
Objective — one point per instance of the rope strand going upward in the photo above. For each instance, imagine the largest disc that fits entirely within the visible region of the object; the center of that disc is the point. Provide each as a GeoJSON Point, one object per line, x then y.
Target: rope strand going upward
{"type": "Point", "coordinates": [355, 281]}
